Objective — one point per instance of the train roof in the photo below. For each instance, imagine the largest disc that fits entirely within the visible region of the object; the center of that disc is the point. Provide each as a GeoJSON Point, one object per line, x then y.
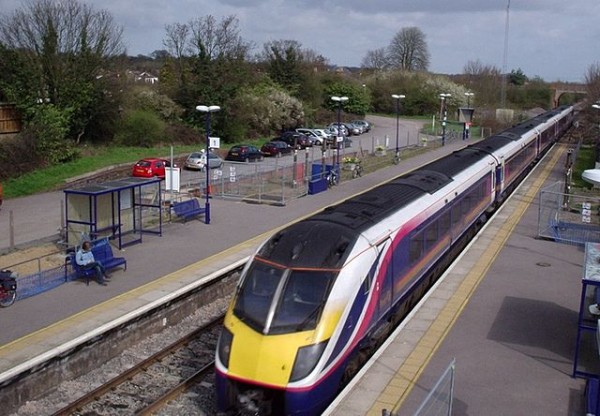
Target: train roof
{"type": "Point", "coordinates": [336, 227]}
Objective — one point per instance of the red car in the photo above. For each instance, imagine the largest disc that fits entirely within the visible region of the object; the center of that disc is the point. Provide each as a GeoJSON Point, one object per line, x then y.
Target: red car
{"type": "Point", "coordinates": [150, 168]}
{"type": "Point", "coordinates": [275, 148]}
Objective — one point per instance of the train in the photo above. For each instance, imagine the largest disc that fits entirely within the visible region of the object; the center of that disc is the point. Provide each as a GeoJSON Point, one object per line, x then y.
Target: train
{"type": "Point", "coordinates": [320, 295]}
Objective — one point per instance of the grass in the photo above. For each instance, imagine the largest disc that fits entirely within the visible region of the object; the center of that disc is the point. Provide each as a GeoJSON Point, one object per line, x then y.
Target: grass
{"type": "Point", "coordinates": [586, 159]}
{"type": "Point", "coordinates": [92, 159]}
{"type": "Point", "coordinates": [50, 178]}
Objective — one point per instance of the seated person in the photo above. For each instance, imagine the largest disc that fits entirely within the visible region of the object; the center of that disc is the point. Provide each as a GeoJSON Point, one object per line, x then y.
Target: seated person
{"type": "Point", "coordinates": [85, 259]}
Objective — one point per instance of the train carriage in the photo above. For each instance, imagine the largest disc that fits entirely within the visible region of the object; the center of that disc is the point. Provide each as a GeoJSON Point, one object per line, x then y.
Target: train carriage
{"type": "Point", "coordinates": [320, 295]}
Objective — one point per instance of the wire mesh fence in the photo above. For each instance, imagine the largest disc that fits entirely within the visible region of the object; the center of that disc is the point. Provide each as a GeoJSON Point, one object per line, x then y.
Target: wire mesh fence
{"type": "Point", "coordinates": [439, 400]}
{"type": "Point", "coordinates": [569, 216]}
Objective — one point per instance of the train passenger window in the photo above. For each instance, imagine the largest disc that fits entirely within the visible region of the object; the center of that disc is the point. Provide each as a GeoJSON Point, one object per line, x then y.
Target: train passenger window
{"type": "Point", "coordinates": [444, 223]}
{"type": "Point", "coordinates": [431, 235]}
{"type": "Point", "coordinates": [416, 248]}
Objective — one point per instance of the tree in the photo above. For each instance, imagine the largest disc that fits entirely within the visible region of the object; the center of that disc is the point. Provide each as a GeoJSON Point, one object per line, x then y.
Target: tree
{"type": "Point", "coordinates": [59, 53]}
{"type": "Point", "coordinates": [376, 59]}
{"type": "Point", "coordinates": [483, 80]}
{"type": "Point", "coordinates": [284, 59]}
{"type": "Point", "coordinates": [517, 77]}
{"type": "Point", "coordinates": [408, 50]}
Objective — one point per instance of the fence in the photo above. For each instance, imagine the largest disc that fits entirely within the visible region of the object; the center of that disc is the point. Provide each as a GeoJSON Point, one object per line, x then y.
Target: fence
{"type": "Point", "coordinates": [274, 181]}
{"type": "Point", "coordinates": [439, 400]}
{"type": "Point", "coordinates": [567, 217]}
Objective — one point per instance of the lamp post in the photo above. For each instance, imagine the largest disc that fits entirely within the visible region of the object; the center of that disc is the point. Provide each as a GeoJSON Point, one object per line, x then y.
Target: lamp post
{"type": "Point", "coordinates": [340, 101]}
{"type": "Point", "coordinates": [397, 97]}
{"type": "Point", "coordinates": [468, 124]}
{"type": "Point", "coordinates": [208, 110]}
{"type": "Point", "coordinates": [443, 96]}
{"type": "Point", "coordinates": [469, 95]}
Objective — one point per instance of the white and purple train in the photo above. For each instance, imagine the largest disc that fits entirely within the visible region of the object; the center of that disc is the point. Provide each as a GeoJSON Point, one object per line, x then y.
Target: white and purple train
{"type": "Point", "coordinates": [319, 296]}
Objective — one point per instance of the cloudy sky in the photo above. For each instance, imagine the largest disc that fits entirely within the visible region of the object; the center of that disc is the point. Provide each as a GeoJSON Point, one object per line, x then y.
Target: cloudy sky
{"type": "Point", "coordinates": [553, 39]}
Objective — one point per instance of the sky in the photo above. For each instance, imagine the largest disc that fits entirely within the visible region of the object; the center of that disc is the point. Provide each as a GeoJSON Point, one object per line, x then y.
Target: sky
{"type": "Point", "coordinates": [557, 40]}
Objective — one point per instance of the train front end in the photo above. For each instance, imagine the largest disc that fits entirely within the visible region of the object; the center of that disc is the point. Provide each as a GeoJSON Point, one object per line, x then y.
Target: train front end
{"type": "Point", "coordinates": [272, 357]}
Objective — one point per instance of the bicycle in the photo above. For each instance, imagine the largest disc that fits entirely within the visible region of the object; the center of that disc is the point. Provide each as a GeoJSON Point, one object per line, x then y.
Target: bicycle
{"type": "Point", "coordinates": [357, 171]}
{"type": "Point", "coordinates": [332, 178]}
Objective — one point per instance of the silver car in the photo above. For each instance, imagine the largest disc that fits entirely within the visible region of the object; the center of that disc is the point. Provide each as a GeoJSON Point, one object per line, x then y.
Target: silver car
{"type": "Point", "coordinates": [197, 161]}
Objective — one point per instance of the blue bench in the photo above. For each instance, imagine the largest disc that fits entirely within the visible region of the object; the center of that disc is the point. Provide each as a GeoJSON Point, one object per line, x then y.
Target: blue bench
{"type": "Point", "coordinates": [103, 253]}
{"type": "Point", "coordinates": [188, 209]}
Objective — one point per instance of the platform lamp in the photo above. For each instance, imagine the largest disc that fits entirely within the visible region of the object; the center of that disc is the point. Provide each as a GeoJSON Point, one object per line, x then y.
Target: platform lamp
{"type": "Point", "coordinates": [340, 101]}
{"type": "Point", "coordinates": [596, 105]}
{"type": "Point", "coordinates": [468, 95]}
{"type": "Point", "coordinates": [443, 96]}
{"type": "Point", "coordinates": [398, 97]}
{"type": "Point", "coordinates": [208, 110]}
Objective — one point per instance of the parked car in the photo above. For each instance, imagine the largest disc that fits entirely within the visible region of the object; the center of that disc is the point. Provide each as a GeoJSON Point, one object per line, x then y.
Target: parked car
{"type": "Point", "coordinates": [325, 134]}
{"type": "Point", "coordinates": [342, 127]}
{"type": "Point", "coordinates": [150, 167]}
{"type": "Point", "coordinates": [197, 161]}
{"type": "Point", "coordinates": [353, 129]}
{"type": "Point", "coordinates": [317, 139]}
{"type": "Point", "coordinates": [275, 148]}
{"type": "Point", "coordinates": [295, 139]}
{"type": "Point", "coordinates": [244, 153]}
{"type": "Point", "coordinates": [364, 123]}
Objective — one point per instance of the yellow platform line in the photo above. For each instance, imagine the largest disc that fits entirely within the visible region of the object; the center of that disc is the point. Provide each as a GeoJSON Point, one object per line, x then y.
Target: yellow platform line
{"type": "Point", "coordinates": [409, 372]}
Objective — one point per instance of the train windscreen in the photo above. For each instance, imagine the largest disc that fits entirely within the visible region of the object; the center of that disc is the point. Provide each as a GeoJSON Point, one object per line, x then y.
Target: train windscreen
{"type": "Point", "coordinates": [273, 300]}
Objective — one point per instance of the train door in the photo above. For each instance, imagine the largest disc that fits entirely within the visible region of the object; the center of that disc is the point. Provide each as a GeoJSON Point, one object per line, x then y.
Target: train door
{"type": "Point", "coordinates": [386, 271]}
{"type": "Point", "coordinates": [499, 180]}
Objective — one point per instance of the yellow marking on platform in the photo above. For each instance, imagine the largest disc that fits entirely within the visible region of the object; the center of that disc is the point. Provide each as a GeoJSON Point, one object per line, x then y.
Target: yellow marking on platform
{"type": "Point", "coordinates": [409, 372]}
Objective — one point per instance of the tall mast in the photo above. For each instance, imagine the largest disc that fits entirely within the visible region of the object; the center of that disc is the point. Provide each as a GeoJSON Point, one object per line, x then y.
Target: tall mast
{"type": "Point", "coordinates": [505, 59]}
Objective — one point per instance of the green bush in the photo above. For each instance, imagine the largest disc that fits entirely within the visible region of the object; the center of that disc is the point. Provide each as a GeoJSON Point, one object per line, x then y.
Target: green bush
{"type": "Point", "coordinates": [141, 128]}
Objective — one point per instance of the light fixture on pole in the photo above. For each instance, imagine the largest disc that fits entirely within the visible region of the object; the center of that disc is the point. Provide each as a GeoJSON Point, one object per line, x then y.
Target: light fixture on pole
{"type": "Point", "coordinates": [468, 115]}
{"type": "Point", "coordinates": [208, 110]}
{"type": "Point", "coordinates": [596, 105]}
{"type": "Point", "coordinates": [397, 97]}
{"type": "Point", "coordinates": [469, 95]}
{"type": "Point", "coordinates": [443, 96]}
{"type": "Point", "coordinates": [340, 101]}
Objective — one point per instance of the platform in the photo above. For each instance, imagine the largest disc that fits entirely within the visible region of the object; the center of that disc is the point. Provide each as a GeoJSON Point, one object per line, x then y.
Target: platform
{"type": "Point", "coordinates": [505, 313]}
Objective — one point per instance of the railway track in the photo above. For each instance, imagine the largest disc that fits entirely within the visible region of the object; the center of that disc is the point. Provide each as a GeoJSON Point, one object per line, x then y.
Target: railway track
{"type": "Point", "coordinates": [147, 386]}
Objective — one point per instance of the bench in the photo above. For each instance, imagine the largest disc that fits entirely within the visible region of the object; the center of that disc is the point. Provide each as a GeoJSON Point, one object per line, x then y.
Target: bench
{"type": "Point", "coordinates": [188, 209]}
{"type": "Point", "coordinates": [103, 254]}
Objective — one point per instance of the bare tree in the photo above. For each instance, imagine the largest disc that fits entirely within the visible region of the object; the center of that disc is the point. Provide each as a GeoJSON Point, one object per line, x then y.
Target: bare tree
{"type": "Point", "coordinates": [211, 39]}
{"type": "Point", "coordinates": [408, 50]}
{"type": "Point", "coordinates": [177, 40]}
{"type": "Point", "coordinates": [592, 79]}
{"type": "Point", "coordinates": [375, 59]}
{"type": "Point", "coordinates": [63, 49]}
{"type": "Point", "coordinates": [483, 80]}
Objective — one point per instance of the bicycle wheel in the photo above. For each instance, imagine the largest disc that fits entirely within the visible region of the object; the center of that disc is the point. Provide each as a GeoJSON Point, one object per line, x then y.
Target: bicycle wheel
{"type": "Point", "coordinates": [7, 298]}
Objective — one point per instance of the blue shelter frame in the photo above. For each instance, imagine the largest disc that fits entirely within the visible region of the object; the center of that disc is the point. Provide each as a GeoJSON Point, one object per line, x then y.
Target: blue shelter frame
{"type": "Point", "coordinates": [113, 209]}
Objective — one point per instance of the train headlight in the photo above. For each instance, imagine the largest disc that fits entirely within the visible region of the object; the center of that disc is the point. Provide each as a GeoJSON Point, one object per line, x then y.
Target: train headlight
{"type": "Point", "coordinates": [225, 346]}
{"type": "Point", "coordinates": [306, 360]}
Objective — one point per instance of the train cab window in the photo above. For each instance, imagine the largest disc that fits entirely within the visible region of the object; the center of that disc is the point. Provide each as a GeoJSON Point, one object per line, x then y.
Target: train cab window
{"type": "Point", "coordinates": [301, 302]}
{"type": "Point", "coordinates": [257, 293]}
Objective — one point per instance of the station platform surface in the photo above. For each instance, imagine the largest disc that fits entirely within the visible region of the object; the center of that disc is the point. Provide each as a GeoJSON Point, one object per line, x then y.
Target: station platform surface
{"type": "Point", "coordinates": [508, 316]}
{"type": "Point", "coordinates": [505, 314]}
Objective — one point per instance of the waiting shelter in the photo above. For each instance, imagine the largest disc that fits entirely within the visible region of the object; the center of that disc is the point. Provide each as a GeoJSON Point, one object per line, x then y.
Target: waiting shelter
{"type": "Point", "coordinates": [122, 210]}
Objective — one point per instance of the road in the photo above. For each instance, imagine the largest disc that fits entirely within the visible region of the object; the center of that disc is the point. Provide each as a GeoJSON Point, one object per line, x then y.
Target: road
{"type": "Point", "coordinates": [39, 217]}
